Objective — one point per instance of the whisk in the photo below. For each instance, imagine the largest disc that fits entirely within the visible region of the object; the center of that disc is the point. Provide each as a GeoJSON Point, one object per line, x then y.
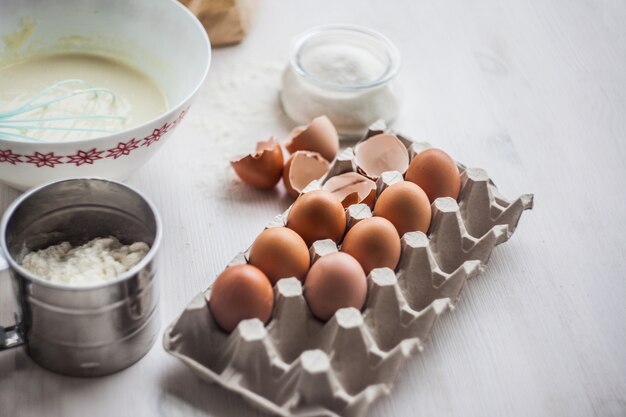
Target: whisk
{"type": "Point", "coordinates": [15, 122]}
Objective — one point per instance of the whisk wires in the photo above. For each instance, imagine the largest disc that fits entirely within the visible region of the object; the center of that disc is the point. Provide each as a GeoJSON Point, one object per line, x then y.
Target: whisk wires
{"type": "Point", "coordinates": [10, 120]}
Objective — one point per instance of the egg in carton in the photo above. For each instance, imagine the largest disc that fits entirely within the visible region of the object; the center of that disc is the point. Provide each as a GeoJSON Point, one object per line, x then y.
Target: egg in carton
{"type": "Point", "coordinates": [299, 366]}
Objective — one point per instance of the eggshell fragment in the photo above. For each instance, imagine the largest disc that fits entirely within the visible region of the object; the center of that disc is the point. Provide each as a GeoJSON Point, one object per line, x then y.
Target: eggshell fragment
{"type": "Point", "coordinates": [406, 206]}
{"type": "Point", "coordinates": [317, 215]}
{"type": "Point", "coordinates": [381, 153]}
{"type": "Point", "coordinates": [301, 168]}
{"type": "Point", "coordinates": [436, 173]}
{"type": "Point", "coordinates": [241, 292]}
{"type": "Point", "coordinates": [263, 168]}
{"type": "Point", "coordinates": [352, 188]}
{"type": "Point", "coordinates": [280, 253]}
{"type": "Point", "coordinates": [318, 136]}
{"type": "Point", "coordinates": [374, 243]}
{"type": "Point", "coordinates": [335, 281]}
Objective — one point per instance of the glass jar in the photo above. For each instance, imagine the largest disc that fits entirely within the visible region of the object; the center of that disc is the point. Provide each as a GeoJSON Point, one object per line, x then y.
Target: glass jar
{"type": "Point", "coordinates": [347, 73]}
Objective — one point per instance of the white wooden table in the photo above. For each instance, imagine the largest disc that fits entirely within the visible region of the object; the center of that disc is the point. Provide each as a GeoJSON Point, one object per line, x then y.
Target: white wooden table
{"type": "Point", "coordinates": [534, 92]}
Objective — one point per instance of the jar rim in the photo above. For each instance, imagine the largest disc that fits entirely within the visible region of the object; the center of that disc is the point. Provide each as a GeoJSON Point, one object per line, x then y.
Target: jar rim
{"type": "Point", "coordinates": [300, 41]}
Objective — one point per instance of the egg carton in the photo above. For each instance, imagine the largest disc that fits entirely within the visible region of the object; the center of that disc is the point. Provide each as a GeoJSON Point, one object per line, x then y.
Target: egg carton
{"type": "Point", "coordinates": [299, 366]}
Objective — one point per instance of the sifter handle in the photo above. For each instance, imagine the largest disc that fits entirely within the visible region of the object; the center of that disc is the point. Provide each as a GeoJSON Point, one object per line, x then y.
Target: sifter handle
{"type": "Point", "coordinates": [3, 263]}
{"type": "Point", "coordinates": [11, 336]}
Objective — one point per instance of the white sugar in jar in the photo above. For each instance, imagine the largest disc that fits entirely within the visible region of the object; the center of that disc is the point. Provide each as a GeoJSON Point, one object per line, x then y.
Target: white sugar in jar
{"type": "Point", "coordinates": [345, 72]}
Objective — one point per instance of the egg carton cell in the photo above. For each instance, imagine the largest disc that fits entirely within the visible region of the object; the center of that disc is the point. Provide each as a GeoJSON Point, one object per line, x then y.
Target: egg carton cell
{"type": "Point", "coordinates": [297, 365]}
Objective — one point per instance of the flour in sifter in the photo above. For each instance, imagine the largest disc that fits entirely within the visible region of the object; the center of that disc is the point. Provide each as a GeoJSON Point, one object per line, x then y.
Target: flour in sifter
{"type": "Point", "coordinates": [97, 261]}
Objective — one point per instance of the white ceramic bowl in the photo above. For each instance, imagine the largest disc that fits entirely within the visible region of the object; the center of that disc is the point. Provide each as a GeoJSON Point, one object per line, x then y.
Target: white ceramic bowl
{"type": "Point", "coordinates": [160, 37]}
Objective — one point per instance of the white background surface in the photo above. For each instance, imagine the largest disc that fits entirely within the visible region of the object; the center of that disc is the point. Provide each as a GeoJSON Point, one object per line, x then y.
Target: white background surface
{"type": "Point", "coordinates": [532, 91]}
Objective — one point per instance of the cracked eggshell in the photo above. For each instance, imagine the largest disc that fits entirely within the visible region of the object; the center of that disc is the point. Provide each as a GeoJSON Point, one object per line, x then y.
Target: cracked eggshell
{"type": "Point", "coordinates": [263, 168]}
{"type": "Point", "coordinates": [301, 168]}
{"type": "Point", "coordinates": [352, 188]}
{"type": "Point", "coordinates": [318, 136]}
{"type": "Point", "coordinates": [381, 153]}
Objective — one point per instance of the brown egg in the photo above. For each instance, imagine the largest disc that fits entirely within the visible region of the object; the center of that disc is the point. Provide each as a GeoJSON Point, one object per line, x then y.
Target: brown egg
{"type": "Point", "coordinates": [374, 242]}
{"type": "Point", "coordinates": [280, 253]}
{"type": "Point", "coordinates": [381, 153]}
{"type": "Point", "coordinates": [317, 215]}
{"type": "Point", "coordinates": [302, 168]}
{"type": "Point", "coordinates": [241, 292]}
{"type": "Point", "coordinates": [318, 136]}
{"type": "Point", "coordinates": [436, 173]}
{"type": "Point", "coordinates": [406, 206]}
{"type": "Point", "coordinates": [335, 281]}
{"type": "Point", "coordinates": [352, 188]}
{"type": "Point", "coordinates": [263, 168]}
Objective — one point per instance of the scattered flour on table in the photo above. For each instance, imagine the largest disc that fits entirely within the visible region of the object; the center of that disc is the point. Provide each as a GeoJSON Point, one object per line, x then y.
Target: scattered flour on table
{"type": "Point", "coordinates": [99, 260]}
{"type": "Point", "coordinates": [240, 106]}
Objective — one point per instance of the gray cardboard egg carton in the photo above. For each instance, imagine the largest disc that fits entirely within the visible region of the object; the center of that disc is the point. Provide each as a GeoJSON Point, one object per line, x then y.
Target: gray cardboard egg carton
{"type": "Point", "coordinates": [299, 366]}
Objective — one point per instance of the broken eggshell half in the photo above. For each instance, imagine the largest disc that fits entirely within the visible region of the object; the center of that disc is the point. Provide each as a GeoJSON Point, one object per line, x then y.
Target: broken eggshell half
{"type": "Point", "coordinates": [318, 136]}
{"type": "Point", "coordinates": [381, 153]}
{"type": "Point", "coordinates": [263, 168]}
{"type": "Point", "coordinates": [301, 168]}
{"type": "Point", "coordinates": [352, 188]}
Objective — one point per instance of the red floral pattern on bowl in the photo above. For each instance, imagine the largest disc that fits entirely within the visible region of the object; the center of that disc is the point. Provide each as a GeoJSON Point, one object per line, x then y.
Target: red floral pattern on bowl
{"type": "Point", "coordinates": [90, 156]}
{"type": "Point", "coordinates": [116, 156]}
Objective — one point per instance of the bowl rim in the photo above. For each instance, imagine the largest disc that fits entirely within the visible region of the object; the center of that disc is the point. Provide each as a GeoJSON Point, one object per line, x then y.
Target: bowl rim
{"type": "Point", "coordinates": [168, 113]}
